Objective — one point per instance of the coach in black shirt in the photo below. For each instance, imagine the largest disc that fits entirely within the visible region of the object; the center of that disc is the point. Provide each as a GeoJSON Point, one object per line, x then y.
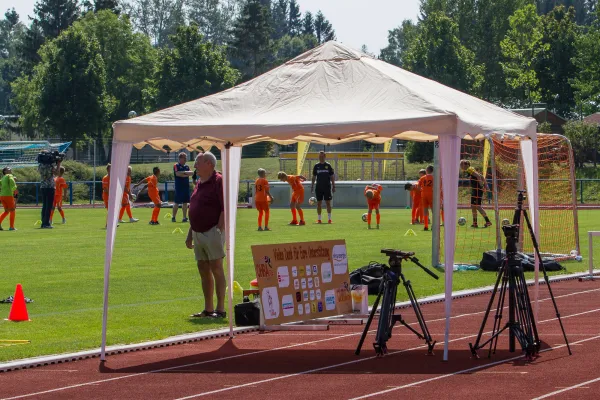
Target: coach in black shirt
{"type": "Point", "coordinates": [323, 173]}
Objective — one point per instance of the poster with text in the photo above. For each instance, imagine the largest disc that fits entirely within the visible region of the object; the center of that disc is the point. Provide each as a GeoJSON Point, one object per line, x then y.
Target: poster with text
{"type": "Point", "coordinates": [302, 281]}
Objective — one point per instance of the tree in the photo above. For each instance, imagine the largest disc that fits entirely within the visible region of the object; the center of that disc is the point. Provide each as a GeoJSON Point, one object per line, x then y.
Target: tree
{"type": "Point", "coordinates": [587, 63]}
{"type": "Point", "coordinates": [437, 53]}
{"type": "Point", "coordinates": [520, 48]}
{"type": "Point", "coordinates": [289, 47]}
{"type": "Point", "coordinates": [582, 136]}
{"type": "Point", "coordinates": [11, 38]}
{"type": "Point", "coordinates": [280, 18]}
{"type": "Point", "coordinates": [194, 68]}
{"type": "Point", "coordinates": [294, 19]}
{"type": "Point", "coordinates": [66, 95]}
{"type": "Point", "coordinates": [308, 24]}
{"type": "Point", "coordinates": [158, 18]}
{"type": "Point", "coordinates": [99, 5]}
{"type": "Point", "coordinates": [252, 46]}
{"type": "Point", "coordinates": [399, 40]}
{"type": "Point", "coordinates": [54, 16]}
{"type": "Point", "coordinates": [129, 60]}
{"type": "Point", "coordinates": [214, 18]}
{"type": "Point", "coordinates": [28, 50]}
{"type": "Point", "coordinates": [554, 67]}
{"type": "Point", "coordinates": [323, 29]}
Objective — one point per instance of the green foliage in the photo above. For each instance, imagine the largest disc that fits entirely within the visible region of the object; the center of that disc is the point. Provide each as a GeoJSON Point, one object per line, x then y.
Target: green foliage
{"type": "Point", "coordinates": [587, 62]}
{"type": "Point", "coordinates": [437, 53]}
{"type": "Point", "coordinates": [54, 16]}
{"type": "Point", "coordinates": [280, 15]}
{"type": "Point", "coordinates": [252, 46]}
{"type": "Point", "coordinates": [554, 64]}
{"type": "Point", "coordinates": [544, 127]}
{"type": "Point", "coordinates": [419, 152]}
{"type": "Point", "coordinates": [294, 19]}
{"type": "Point", "coordinates": [323, 29]}
{"type": "Point", "coordinates": [308, 24]}
{"type": "Point", "coordinates": [584, 139]}
{"type": "Point", "coordinates": [192, 69]}
{"type": "Point", "coordinates": [157, 19]}
{"type": "Point", "coordinates": [11, 38]}
{"type": "Point", "coordinates": [289, 47]}
{"type": "Point", "coordinates": [399, 40]}
{"type": "Point", "coordinates": [520, 48]}
{"type": "Point", "coordinates": [214, 18]}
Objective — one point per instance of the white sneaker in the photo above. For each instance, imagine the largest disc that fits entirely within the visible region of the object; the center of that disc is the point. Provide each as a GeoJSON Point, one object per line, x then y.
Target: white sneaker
{"type": "Point", "coordinates": [121, 221]}
{"type": "Point", "coordinates": [133, 220]}
{"type": "Point", "coordinates": [64, 220]}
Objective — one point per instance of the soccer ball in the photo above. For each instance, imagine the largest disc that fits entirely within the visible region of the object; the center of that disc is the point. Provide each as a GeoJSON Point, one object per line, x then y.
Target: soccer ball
{"type": "Point", "coordinates": [133, 197]}
{"type": "Point", "coordinates": [364, 217]}
{"type": "Point", "coordinates": [312, 201]}
{"type": "Point", "coordinates": [574, 253]}
{"type": "Point", "coordinates": [462, 221]}
{"type": "Point", "coordinates": [505, 222]}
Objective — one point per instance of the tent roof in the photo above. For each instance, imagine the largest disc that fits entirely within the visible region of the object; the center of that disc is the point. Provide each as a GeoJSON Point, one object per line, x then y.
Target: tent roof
{"type": "Point", "coordinates": [331, 94]}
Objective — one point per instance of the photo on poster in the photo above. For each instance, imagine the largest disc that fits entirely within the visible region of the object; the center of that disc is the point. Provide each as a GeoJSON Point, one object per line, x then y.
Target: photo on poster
{"type": "Point", "coordinates": [283, 277]}
{"type": "Point", "coordinates": [312, 295]}
{"type": "Point", "coordinates": [340, 259]}
{"type": "Point", "coordinates": [330, 300]}
{"type": "Point", "coordinates": [307, 308]}
{"type": "Point", "coordinates": [296, 284]}
{"type": "Point", "coordinates": [294, 272]}
{"type": "Point", "coordinates": [303, 283]}
{"type": "Point", "coordinates": [270, 301]}
{"type": "Point", "coordinates": [326, 273]}
{"type": "Point", "coordinates": [317, 282]}
{"type": "Point", "coordinates": [287, 303]}
{"type": "Point", "coordinates": [310, 283]}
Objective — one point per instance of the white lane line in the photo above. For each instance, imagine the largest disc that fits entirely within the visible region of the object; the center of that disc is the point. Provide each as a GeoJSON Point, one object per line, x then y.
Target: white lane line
{"type": "Point", "coordinates": [370, 358]}
{"type": "Point", "coordinates": [465, 371]}
{"type": "Point", "coordinates": [567, 389]}
{"type": "Point", "coordinates": [244, 355]}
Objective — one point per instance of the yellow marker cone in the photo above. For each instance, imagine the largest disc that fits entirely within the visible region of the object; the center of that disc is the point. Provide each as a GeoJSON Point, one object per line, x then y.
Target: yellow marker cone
{"type": "Point", "coordinates": [410, 232]}
{"type": "Point", "coordinates": [177, 230]}
{"type": "Point", "coordinates": [168, 215]}
{"type": "Point", "coordinates": [38, 222]}
{"type": "Point", "coordinates": [237, 288]}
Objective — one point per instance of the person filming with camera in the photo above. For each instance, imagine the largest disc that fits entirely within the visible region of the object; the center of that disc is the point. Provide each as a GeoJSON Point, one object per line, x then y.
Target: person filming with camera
{"type": "Point", "coordinates": [48, 166]}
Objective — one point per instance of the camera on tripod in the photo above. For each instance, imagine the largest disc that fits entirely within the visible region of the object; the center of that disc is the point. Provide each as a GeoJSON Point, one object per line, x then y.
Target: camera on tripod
{"type": "Point", "coordinates": [511, 231]}
{"type": "Point", "coordinates": [50, 157]}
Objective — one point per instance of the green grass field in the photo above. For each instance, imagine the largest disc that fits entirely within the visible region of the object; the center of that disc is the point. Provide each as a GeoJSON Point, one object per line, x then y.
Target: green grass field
{"type": "Point", "coordinates": [154, 281]}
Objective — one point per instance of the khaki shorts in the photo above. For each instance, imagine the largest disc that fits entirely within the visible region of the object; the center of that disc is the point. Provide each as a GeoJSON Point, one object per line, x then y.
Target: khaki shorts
{"type": "Point", "coordinates": [209, 245]}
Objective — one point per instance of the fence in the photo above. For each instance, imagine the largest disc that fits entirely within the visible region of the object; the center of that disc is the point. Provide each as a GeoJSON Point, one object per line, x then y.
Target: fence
{"type": "Point", "coordinates": [81, 192]}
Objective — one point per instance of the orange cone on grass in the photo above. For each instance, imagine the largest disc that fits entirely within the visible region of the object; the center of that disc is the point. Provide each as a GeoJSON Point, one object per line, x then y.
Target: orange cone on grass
{"type": "Point", "coordinates": [18, 310]}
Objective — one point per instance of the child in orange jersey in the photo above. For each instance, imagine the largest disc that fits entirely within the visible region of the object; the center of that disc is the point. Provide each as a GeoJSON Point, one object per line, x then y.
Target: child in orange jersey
{"type": "Point", "coordinates": [373, 195]}
{"type": "Point", "coordinates": [295, 181]}
{"type": "Point", "coordinates": [106, 186]}
{"type": "Point", "coordinates": [261, 196]}
{"type": "Point", "coordinates": [152, 183]}
{"type": "Point", "coordinates": [415, 194]}
{"type": "Point", "coordinates": [125, 205]}
{"type": "Point", "coordinates": [426, 186]}
{"type": "Point", "coordinates": [60, 192]}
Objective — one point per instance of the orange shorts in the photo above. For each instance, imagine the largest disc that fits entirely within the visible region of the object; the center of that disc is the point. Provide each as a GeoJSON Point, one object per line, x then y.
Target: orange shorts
{"type": "Point", "coordinates": [374, 205]}
{"type": "Point", "coordinates": [417, 202]}
{"type": "Point", "coordinates": [427, 202]}
{"type": "Point", "coordinates": [105, 199]}
{"type": "Point", "coordinates": [298, 197]}
{"type": "Point", "coordinates": [125, 200]}
{"type": "Point", "coordinates": [262, 205]}
{"type": "Point", "coordinates": [8, 202]}
{"type": "Point", "coordinates": [58, 201]}
{"type": "Point", "coordinates": [155, 198]}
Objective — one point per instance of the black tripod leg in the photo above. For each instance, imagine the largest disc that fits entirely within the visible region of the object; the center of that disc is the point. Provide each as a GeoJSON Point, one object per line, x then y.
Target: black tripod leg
{"type": "Point", "coordinates": [413, 301]}
{"type": "Point", "coordinates": [386, 317]}
{"type": "Point", "coordinates": [369, 320]}
{"type": "Point", "coordinates": [476, 347]}
{"type": "Point", "coordinates": [537, 251]}
{"type": "Point", "coordinates": [499, 312]}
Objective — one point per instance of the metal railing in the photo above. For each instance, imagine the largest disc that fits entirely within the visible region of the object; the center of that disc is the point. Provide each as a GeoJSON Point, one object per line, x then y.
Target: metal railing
{"type": "Point", "coordinates": [81, 192]}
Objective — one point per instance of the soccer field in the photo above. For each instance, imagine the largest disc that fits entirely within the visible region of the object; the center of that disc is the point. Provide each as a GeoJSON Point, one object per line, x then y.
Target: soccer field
{"type": "Point", "coordinates": [155, 285]}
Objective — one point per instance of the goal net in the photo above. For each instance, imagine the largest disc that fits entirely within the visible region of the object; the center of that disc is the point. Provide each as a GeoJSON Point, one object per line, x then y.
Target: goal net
{"type": "Point", "coordinates": [500, 165]}
{"type": "Point", "coordinates": [24, 153]}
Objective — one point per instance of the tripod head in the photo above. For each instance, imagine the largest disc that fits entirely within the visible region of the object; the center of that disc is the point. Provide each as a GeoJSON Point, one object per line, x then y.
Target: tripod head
{"type": "Point", "coordinates": [396, 257]}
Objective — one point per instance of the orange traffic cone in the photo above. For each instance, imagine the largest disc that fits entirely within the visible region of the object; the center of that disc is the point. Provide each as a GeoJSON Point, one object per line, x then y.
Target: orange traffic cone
{"type": "Point", "coordinates": [254, 283]}
{"type": "Point", "coordinates": [18, 310]}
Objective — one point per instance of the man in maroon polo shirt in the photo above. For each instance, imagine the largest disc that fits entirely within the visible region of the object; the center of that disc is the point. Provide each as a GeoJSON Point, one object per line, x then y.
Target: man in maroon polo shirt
{"type": "Point", "coordinates": [207, 233]}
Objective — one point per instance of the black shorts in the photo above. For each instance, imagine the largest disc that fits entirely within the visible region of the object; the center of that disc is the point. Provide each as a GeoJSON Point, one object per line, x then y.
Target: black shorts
{"type": "Point", "coordinates": [476, 197]}
{"type": "Point", "coordinates": [323, 194]}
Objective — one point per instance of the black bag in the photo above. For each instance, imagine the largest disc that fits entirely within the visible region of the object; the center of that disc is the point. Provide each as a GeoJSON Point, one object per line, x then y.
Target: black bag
{"type": "Point", "coordinates": [247, 313]}
{"type": "Point", "coordinates": [492, 261]}
{"type": "Point", "coordinates": [369, 275]}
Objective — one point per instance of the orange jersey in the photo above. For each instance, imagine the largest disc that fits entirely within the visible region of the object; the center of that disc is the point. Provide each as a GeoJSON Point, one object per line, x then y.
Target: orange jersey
{"type": "Point", "coordinates": [261, 185]}
{"type": "Point", "coordinates": [376, 193]}
{"type": "Point", "coordinates": [296, 183]}
{"type": "Point", "coordinates": [127, 184]}
{"type": "Point", "coordinates": [106, 184]}
{"type": "Point", "coordinates": [415, 193]}
{"type": "Point", "coordinates": [60, 185]}
{"type": "Point", "coordinates": [426, 185]}
{"type": "Point", "coordinates": [152, 185]}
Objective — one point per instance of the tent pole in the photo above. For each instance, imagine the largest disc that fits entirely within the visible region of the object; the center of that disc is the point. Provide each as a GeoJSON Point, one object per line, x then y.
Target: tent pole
{"type": "Point", "coordinates": [435, 221]}
{"type": "Point", "coordinates": [227, 184]}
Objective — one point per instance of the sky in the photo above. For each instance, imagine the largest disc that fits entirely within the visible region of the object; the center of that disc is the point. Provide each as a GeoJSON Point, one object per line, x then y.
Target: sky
{"type": "Point", "coordinates": [356, 22]}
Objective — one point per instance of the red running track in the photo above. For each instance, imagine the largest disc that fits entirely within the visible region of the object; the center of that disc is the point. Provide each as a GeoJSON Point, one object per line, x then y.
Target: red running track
{"type": "Point", "coordinates": [308, 365]}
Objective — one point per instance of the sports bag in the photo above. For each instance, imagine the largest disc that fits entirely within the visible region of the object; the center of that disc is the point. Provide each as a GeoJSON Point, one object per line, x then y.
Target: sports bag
{"type": "Point", "coordinates": [369, 275]}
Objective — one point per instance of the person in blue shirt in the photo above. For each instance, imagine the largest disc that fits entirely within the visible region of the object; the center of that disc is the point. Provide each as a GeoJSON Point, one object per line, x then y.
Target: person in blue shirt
{"type": "Point", "coordinates": [182, 186]}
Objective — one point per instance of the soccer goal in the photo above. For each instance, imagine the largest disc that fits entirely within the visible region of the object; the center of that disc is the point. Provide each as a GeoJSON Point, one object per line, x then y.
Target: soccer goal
{"type": "Point", "coordinates": [24, 153]}
{"type": "Point", "coordinates": [500, 164]}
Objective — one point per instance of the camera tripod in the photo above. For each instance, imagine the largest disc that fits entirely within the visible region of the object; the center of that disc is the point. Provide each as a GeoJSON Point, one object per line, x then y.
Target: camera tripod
{"type": "Point", "coordinates": [388, 289]}
{"type": "Point", "coordinates": [521, 321]}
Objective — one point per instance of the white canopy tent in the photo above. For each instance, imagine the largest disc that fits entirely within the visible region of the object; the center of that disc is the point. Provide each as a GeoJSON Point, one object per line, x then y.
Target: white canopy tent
{"type": "Point", "coordinates": [331, 94]}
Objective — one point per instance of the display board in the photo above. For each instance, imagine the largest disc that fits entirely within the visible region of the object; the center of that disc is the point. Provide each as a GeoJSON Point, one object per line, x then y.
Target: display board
{"type": "Point", "coordinates": [302, 281]}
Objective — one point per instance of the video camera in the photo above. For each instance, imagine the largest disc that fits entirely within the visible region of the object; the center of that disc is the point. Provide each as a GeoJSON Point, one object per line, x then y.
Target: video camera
{"type": "Point", "coordinates": [47, 157]}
